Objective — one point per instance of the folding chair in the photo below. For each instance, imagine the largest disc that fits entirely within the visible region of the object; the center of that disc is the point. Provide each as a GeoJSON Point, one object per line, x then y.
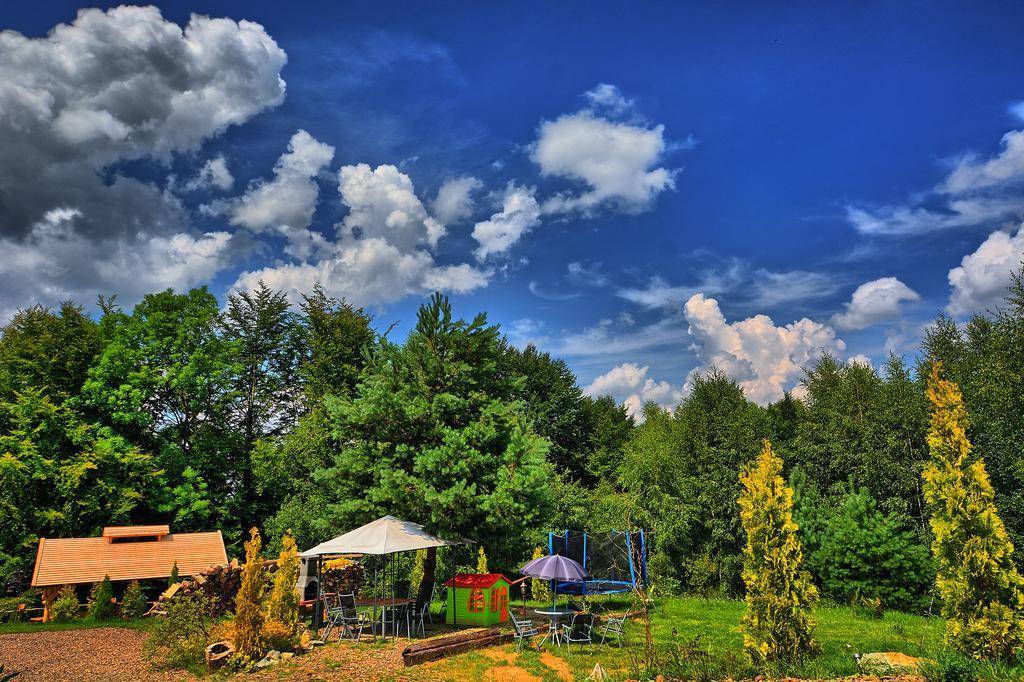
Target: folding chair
{"type": "Point", "coordinates": [524, 631]}
{"type": "Point", "coordinates": [351, 620]}
{"type": "Point", "coordinates": [615, 627]}
{"type": "Point", "coordinates": [580, 630]}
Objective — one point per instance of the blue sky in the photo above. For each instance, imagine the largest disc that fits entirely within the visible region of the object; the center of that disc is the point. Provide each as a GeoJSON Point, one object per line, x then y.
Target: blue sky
{"type": "Point", "coordinates": [646, 193]}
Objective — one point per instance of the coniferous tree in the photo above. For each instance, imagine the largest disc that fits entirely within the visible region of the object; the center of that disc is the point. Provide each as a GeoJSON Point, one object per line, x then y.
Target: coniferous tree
{"type": "Point", "coordinates": [249, 615]}
{"type": "Point", "coordinates": [481, 561]}
{"type": "Point", "coordinates": [981, 589]}
{"type": "Point", "coordinates": [101, 605]}
{"type": "Point", "coordinates": [777, 625]}
{"type": "Point", "coordinates": [283, 605]}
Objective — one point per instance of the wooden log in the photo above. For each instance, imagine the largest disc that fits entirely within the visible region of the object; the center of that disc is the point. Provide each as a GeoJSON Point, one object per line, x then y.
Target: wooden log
{"type": "Point", "coordinates": [433, 649]}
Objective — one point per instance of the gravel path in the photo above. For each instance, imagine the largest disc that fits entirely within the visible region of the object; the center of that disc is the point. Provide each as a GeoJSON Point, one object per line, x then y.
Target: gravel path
{"type": "Point", "coordinates": [101, 654]}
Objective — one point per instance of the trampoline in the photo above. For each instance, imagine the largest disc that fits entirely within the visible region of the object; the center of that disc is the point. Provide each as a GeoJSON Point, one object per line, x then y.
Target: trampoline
{"type": "Point", "coordinates": [617, 560]}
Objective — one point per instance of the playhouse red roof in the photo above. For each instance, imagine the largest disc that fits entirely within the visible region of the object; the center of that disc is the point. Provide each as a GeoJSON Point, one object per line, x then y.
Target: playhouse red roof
{"type": "Point", "coordinates": [476, 580]}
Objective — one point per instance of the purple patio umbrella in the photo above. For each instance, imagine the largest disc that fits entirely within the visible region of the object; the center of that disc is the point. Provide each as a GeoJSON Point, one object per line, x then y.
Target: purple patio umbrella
{"type": "Point", "coordinates": [555, 567]}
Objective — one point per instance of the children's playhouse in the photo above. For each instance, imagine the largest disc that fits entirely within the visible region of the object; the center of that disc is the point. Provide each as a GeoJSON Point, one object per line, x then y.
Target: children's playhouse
{"type": "Point", "coordinates": [477, 599]}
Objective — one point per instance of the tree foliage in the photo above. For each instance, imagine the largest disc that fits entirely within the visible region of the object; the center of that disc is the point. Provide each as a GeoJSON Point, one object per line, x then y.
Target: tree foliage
{"type": "Point", "coordinates": [249, 613]}
{"type": "Point", "coordinates": [777, 625]}
{"type": "Point", "coordinates": [981, 588]}
{"type": "Point", "coordinates": [283, 603]}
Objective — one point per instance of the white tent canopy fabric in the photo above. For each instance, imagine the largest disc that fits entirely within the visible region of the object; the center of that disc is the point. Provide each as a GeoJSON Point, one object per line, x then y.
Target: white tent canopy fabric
{"type": "Point", "coordinates": [386, 535]}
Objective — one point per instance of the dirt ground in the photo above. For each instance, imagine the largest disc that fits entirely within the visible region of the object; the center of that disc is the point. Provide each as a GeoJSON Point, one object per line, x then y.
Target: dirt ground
{"type": "Point", "coordinates": [100, 654]}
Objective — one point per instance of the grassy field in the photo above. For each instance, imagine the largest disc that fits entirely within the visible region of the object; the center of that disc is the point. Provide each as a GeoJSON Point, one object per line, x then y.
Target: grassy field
{"type": "Point", "coordinates": [700, 639]}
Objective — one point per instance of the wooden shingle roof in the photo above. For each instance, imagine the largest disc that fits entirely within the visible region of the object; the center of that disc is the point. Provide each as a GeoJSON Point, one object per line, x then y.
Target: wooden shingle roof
{"type": "Point", "coordinates": [86, 560]}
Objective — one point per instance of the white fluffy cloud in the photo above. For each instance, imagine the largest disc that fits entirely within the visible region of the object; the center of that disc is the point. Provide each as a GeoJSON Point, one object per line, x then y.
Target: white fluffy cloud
{"type": "Point", "coordinates": [763, 358]}
{"type": "Point", "coordinates": [980, 281]}
{"type": "Point", "coordinates": [55, 263]}
{"type": "Point", "coordinates": [454, 200]}
{"type": "Point", "coordinates": [381, 253]}
{"type": "Point", "coordinates": [874, 302]}
{"type": "Point", "coordinates": [382, 203]}
{"type": "Point", "coordinates": [971, 173]}
{"type": "Point", "coordinates": [519, 213]}
{"type": "Point", "coordinates": [286, 203]}
{"type": "Point", "coordinates": [616, 160]}
{"type": "Point", "coordinates": [630, 384]}
{"type": "Point", "coordinates": [111, 86]}
{"type": "Point", "coordinates": [213, 174]}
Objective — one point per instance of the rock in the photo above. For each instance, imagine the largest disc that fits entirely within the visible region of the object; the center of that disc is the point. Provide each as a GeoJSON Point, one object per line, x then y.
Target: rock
{"type": "Point", "coordinates": [274, 655]}
{"type": "Point", "coordinates": [266, 663]}
{"type": "Point", "coordinates": [286, 655]}
{"type": "Point", "coordinates": [889, 661]}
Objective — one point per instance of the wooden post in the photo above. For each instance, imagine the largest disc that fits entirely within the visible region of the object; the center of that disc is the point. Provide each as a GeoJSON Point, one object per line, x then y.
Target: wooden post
{"type": "Point", "coordinates": [49, 596]}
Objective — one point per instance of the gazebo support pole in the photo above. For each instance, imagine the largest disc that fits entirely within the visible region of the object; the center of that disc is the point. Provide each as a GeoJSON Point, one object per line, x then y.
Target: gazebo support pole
{"type": "Point", "coordinates": [319, 597]}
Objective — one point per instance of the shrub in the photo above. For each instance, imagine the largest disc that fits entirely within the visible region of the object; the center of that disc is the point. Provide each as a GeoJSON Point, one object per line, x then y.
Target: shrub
{"type": "Point", "coordinates": [65, 606]}
{"type": "Point", "coordinates": [174, 575]}
{"type": "Point", "coordinates": [179, 639]}
{"type": "Point", "coordinates": [702, 574]}
{"type": "Point", "coordinates": [416, 574]}
{"type": "Point", "coordinates": [865, 555]}
{"type": "Point", "coordinates": [133, 603]}
{"type": "Point", "coordinates": [101, 600]}
{"type": "Point", "coordinates": [278, 636]}
{"type": "Point", "coordinates": [980, 587]}
{"type": "Point", "coordinates": [283, 605]}
{"type": "Point", "coordinates": [481, 561]}
{"type": "Point", "coordinates": [249, 615]}
{"type": "Point", "coordinates": [777, 625]}
{"type": "Point", "coordinates": [539, 589]}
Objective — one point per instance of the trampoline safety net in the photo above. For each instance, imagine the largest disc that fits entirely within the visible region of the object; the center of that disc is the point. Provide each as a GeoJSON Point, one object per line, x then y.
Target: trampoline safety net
{"type": "Point", "coordinates": [616, 560]}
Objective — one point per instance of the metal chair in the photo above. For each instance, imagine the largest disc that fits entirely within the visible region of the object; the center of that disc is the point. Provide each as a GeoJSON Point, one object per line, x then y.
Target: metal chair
{"type": "Point", "coordinates": [580, 630]}
{"type": "Point", "coordinates": [420, 614]}
{"type": "Point", "coordinates": [393, 617]}
{"type": "Point", "coordinates": [615, 627]}
{"type": "Point", "coordinates": [351, 620]}
{"type": "Point", "coordinates": [524, 631]}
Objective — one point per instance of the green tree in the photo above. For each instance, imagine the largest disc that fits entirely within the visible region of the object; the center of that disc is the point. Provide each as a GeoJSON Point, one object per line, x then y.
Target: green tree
{"type": "Point", "coordinates": [265, 391]}
{"type": "Point", "coordinates": [983, 358]}
{"type": "Point", "coordinates": [432, 434]}
{"type": "Point", "coordinates": [481, 561]}
{"type": "Point", "coordinates": [981, 589]}
{"type": "Point", "coordinates": [47, 351]}
{"type": "Point", "coordinates": [865, 554]}
{"type": "Point", "coordinates": [101, 604]}
{"type": "Point", "coordinates": [283, 604]}
{"type": "Point", "coordinates": [249, 613]}
{"type": "Point", "coordinates": [133, 603]}
{"type": "Point", "coordinates": [174, 579]}
{"type": "Point", "coordinates": [609, 427]}
{"type": "Point", "coordinates": [777, 625]}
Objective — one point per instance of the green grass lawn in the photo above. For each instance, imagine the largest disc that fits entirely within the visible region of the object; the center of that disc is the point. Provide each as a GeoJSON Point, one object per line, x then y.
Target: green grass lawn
{"type": "Point", "coordinates": [700, 639]}
{"type": "Point", "coordinates": [34, 626]}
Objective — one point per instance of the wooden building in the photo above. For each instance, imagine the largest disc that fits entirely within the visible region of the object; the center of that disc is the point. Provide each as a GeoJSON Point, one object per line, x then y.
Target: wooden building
{"type": "Point", "coordinates": [123, 553]}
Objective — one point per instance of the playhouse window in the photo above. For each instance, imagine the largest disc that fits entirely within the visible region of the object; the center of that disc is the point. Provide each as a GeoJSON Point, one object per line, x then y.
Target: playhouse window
{"type": "Point", "coordinates": [476, 600]}
{"type": "Point", "coordinates": [499, 598]}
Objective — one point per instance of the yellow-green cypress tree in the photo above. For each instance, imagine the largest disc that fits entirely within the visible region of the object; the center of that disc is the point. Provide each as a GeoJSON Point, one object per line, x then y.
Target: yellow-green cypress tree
{"type": "Point", "coordinates": [248, 602]}
{"type": "Point", "coordinates": [777, 625]}
{"type": "Point", "coordinates": [982, 592]}
{"type": "Point", "coordinates": [416, 574]}
{"type": "Point", "coordinates": [283, 605]}
{"type": "Point", "coordinates": [481, 561]}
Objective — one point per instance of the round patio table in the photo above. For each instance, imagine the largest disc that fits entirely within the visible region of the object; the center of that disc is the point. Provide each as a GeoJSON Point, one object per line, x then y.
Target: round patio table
{"type": "Point", "coordinates": [554, 632]}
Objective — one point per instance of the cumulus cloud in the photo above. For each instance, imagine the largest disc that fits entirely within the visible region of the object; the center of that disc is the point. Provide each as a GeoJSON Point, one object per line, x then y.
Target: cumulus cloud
{"type": "Point", "coordinates": [630, 384]}
{"type": "Point", "coordinates": [382, 250]}
{"type": "Point", "coordinates": [382, 203]}
{"type": "Point", "coordinates": [763, 358]}
{"type": "Point", "coordinates": [286, 203]}
{"type": "Point", "coordinates": [454, 201]}
{"type": "Point", "coordinates": [519, 213]}
{"type": "Point", "coordinates": [975, 191]}
{"type": "Point", "coordinates": [616, 160]}
{"type": "Point", "coordinates": [54, 262]}
{"type": "Point", "coordinates": [111, 86]}
{"type": "Point", "coordinates": [980, 281]}
{"type": "Point", "coordinates": [874, 302]}
{"type": "Point", "coordinates": [214, 174]}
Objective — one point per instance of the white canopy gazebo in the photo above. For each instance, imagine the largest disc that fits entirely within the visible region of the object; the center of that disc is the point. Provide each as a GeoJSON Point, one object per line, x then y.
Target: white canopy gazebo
{"type": "Point", "coordinates": [386, 535]}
